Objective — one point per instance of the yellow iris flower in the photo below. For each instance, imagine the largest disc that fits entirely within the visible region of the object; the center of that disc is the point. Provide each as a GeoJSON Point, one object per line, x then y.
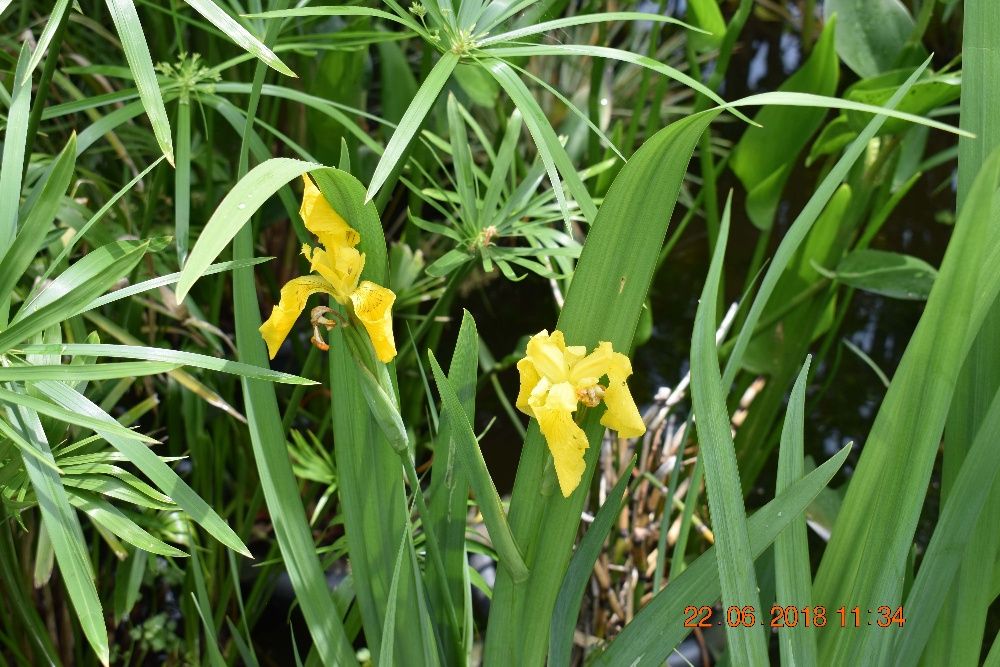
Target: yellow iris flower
{"type": "Point", "coordinates": [339, 266]}
{"type": "Point", "coordinates": [555, 379]}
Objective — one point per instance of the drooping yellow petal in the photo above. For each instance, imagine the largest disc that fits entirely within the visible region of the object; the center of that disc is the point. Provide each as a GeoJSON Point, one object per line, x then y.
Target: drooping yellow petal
{"type": "Point", "coordinates": [622, 414]}
{"type": "Point", "coordinates": [529, 380]}
{"type": "Point", "coordinates": [586, 372]}
{"type": "Point", "coordinates": [566, 440]}
{"type": "Point", "coordinates": [340, 266]}
{"type": "Point", "coordinates": [320, 219]}
{"type": "Point", "coordinates": [294, 295]}
{"type": "Point", "coordinates": [373, 307]}
{"type": "Point", "coordinates": [548, 353]}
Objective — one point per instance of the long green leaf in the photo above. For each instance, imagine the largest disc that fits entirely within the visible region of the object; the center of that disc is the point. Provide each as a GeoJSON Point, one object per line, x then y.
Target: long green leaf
{"type": "Point", "coordinates": [48, 409]}
{"type": "Point", "coordinates": [471, 458]}
{"type": "Point", "coordinates": [39, 221]}
{"type": "Point", "coordinates": [232, 29]}
{"type": "Point", "coordinates": [241, 202]}
{"type": "Point", "coordinates": [411, 121]}
{"type": "Point", "coordinates": [722, 478]}
{"type": "Point", "coordinates": [586, 19]}
{"type": "Point", "coordinates": [926, 601]}
{"type": "Point", "coordinates": [90, 372]}
{"type": "Point", "coordinates": [63, 528]}
{"type": "Point", "coordinates": [15, 137]}
{"type": "Point", "coordinates": [129, 29]}
{"type": "Point", "coordinates": [885, 496]}
{"type": "Point", "coordinates": [75, 287]}
{"type": "Point", "coordinates": [612, 278]}
{"type": "Point", "coordinates": [793, 571]}
{"type": "Point", "coordinates": [165, 356]}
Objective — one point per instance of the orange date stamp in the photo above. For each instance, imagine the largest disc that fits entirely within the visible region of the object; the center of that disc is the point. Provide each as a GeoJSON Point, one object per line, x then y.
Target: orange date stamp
{"type": "Point", "coordinates": [791, 616]}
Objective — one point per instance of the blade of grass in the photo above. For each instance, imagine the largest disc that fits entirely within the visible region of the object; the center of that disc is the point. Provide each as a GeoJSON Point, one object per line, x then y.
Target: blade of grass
{"type": "Point", "coordinates": [793, 571]}
{"type": "Point", "coordinates": [15, 136]}
{"type": "Point", "coordinates": [570, 21]}
{"type": "Point", "coordinates": [165, 356]}
{"type": "Point", "coordinates": [136, 50]}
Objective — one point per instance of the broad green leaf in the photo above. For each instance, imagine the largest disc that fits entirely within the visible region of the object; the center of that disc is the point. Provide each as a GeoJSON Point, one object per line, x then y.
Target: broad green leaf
{"type": "Point", "coordinates": [890, 274]}
{"type": "Point", "coordinates": [136, 50]}
{"type": "Point", "coordinates": [705, 14]}
{"type": "Point", "coordinates": [657, 628]}
{"type": "Point", "coordinates": [913, 411]}
{"type": "Point", "coordinates": [374, 522]}
{"type": "Point", "coordinates": [232, 29]}
{"type": "Point", "coordinates": [241, 202]}
{"type": "Point", "coordinates": [612, 277]}
{"type": "Point", "coordinates": [958, 638]}
{"type": "Point", "coordinates": [411, 121]}
{"type": "Point", "coordinates": [872, 33]}
{"type": "Point", "coordinates": [747, 646]}
{"type": "Point", "coordinates": [765, 156]}
{"type": "Point", "coordinates": [927, 598]}
{"type": "Point", "coordinates": [581, 566]}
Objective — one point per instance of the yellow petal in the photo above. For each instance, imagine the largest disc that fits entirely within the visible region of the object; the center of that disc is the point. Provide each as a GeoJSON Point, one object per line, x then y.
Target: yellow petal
{"type": "Point", "coordinates": [586, 372]}
{"type": "Point", "coordinates": [548, 353]}
{"type": "Point", "coordinates": [373, 306]}
{"type": "Point", "coordinates": [340, 266]}
{"type": "Point", "coordinates": [293, 301]}
{"type": "Point", "coordinates": [622, 414]}
{"type": "Point", "coordinates": [320, 218]}
{"type": "Point", "coordinates": [529, 380]}
{"type": "Point", "coordinates": [565, 439]}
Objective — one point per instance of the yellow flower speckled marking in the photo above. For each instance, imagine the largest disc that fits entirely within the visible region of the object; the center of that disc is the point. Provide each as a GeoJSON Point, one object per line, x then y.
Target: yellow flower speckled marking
{"type": "Point", "coordinates": [555, 379]}
{"type": "Point", "coordinates": [338, 265]}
